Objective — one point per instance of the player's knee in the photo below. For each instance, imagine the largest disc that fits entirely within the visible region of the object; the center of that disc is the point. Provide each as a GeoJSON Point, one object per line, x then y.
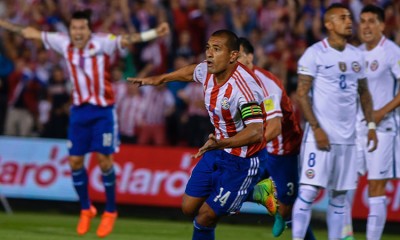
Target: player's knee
{"type": "Point", "coordinates": [75, 162]}
{"type": "Point", "coordinates": [188, 210]}
{"type": "Point", "coordinates": [337, 198]}
{"type": "Point", "coordinates": [105, 162]}
{"type": "Point", "coordinates": [207, 217]}
{"type": "Point", "coordinates": [307, 193]}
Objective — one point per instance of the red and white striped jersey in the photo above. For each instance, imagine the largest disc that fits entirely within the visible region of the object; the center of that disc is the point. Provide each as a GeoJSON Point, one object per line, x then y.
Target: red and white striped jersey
{"type": "Point", "coordinates": [280, 105]}
{"type": "Point", "coordinates": [130, 112]}
{"type": "Point", "coordinates": [158, 103]}
{"type": "Point", "coordinates": [223, 103]}
{"type": "Point", "coordinates": [89, 68]}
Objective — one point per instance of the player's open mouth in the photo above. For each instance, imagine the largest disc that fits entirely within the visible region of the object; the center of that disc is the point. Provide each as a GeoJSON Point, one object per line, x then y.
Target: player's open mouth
{"type": "Point", "coordinates": [210, 64]}
{"type": "Point", "coordinates": [78, 40]}
{"type": "Point", "coordinates": [367, 34]}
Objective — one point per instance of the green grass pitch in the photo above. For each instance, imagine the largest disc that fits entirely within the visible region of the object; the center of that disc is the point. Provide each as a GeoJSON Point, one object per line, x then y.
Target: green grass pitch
{"type": "Point", "coordinates": [43, 226]}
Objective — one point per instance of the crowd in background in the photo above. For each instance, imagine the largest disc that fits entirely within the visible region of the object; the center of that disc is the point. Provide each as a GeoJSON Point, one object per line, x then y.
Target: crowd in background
{"type": "Point", "coordinates": [34, 83]}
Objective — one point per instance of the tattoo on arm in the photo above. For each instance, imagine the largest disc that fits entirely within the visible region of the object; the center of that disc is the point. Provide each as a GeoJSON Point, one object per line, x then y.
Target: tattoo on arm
{"type": "Point", "coordinates": [303, 87]}
{"type": "Point", "coordinates": [365, 99]}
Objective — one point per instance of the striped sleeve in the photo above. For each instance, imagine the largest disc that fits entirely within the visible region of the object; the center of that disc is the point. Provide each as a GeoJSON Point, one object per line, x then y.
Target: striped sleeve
{"type": "Point", "coordinates": [54, 40]}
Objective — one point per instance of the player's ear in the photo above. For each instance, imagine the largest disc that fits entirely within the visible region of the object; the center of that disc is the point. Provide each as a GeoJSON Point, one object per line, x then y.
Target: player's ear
{"type": "Point", "coordinates": [328, 25]}
{"type": "Point", "coordinates": [234, 56]}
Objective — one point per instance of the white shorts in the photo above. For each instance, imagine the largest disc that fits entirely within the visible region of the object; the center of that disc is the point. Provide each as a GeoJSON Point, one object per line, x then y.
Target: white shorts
{"type": "Point", "coordinates": [380, 164]}
{"type": "Point", "coordinates": [397, 155]}
{"type": "Point", "coordinates": [334, 170]}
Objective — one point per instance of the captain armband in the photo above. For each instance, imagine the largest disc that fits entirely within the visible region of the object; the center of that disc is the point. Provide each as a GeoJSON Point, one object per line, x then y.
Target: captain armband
{"type": "Point", "coordinates": [251, 111]}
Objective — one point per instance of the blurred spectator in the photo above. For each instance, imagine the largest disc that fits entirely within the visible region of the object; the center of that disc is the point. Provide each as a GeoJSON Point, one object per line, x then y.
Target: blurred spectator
{"type": "Point", "coordinates": [130, 109]}
{"type": "Point", "coordinates": [58, 98]}
{"type": "Point", "coordinates": [23, 93]}
{"type": "Point", "coordinates": [197, 122]}
{"type": "Point", "coordinates": [158, 103]}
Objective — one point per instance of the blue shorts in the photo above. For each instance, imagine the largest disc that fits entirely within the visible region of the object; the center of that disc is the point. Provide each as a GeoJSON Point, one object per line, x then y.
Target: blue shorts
{"type": "Point", "coordinates": [284, 170]}
{"type": "Point", "coordinates": [92, 129]}
{"type": "Point", "coordinates": [225, 179]}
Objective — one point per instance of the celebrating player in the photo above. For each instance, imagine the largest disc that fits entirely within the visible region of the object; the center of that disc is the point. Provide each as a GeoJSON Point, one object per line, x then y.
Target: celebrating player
{"type": "Point", "coordinates": [93, 123]}
{"type": "Point", "coordinates": [229, 167]}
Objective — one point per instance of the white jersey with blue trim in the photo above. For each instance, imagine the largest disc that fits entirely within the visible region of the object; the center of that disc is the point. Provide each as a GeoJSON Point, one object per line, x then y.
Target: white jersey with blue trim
{"type": "Point", "coordinates": [383, 71]}
{"type": "Point", "coordinates": [334, 90]}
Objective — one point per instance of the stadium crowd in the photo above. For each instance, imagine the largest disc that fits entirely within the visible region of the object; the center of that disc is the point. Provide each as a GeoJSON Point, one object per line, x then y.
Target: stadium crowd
{"type": "Point", "coordinates": [35, 89]}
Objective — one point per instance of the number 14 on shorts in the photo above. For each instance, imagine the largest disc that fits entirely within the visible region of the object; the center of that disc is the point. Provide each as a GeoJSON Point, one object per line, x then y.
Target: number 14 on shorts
{"type": "Point", "coordinates": [222, 198]}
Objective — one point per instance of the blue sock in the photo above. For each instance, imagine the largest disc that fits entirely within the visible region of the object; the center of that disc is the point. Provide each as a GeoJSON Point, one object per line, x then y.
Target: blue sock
{"type": "Point", "coordinates": [202, 233]}
{"type": "Point", "coordinates": [250, 196]}
{"type": "Point", "coordinates": [80, 180]}
{"type": "Point", "coordinates": [309, 233]}
{"type": "Point", "coordinates": [109, 185]}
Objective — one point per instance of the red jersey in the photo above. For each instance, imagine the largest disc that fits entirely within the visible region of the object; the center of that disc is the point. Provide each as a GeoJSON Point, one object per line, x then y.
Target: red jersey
{"type": "Point", "coordinates": [280, 105]}
{"type": "Point", "coordinates": [223, 103]}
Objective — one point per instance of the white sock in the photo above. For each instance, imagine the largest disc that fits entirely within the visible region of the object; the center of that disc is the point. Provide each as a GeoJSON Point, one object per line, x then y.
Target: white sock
{"type": "Point", "coordinates": [335, 214]}
{"type": "Point", "coordinates": [348, 221]}
{"type": "Point", "coordinates": [301, 213]}
{"type": "Point", "coordinates": [376, 217]}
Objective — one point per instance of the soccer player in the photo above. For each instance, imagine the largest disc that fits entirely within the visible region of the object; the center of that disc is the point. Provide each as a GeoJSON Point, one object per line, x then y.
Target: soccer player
{"type": "Point", "coordinates": [334, 71]}
{"type": "Point", "coordinates": [283, 135]}
{"type": "Point", "coordinates": [229, 167]}
{"type": "Point", "coordinates": [93, 124]}
{"type": "Point", "coordinates": [382, 60]}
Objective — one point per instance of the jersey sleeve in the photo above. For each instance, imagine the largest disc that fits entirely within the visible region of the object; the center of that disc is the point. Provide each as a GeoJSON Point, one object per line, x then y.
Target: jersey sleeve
{"type": "Point", "coordinates": [200, 73]}
{"type": "Point", "coordinates": [54, 40]}
{"type": "Point", "coordinates": [395, 61]}
{"type": "Point", "coordinates": [307, 64]}
{"type": "Point", "coordinates": [110, 43]}
{"type": "Point", "coordinates": [272, 106]}
{"type": "Point", "coordinates": [250, 106]}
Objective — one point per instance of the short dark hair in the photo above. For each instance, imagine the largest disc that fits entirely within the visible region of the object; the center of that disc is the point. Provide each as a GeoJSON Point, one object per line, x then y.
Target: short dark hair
{"type": "Point", "coordinates": [375, 10]}
{"type": "Point", "coordinates": [247, 47]}
{"type": "Point", "coordinates": [83, 14]}
{"type": "Point", "coordinates": [336, 5]}
{"type": "Point", "coordinates": [232, 39]}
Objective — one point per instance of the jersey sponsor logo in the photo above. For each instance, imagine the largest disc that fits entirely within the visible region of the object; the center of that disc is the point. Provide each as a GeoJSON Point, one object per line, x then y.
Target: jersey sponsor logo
{"type": "Point", "coordinates": [303, 68]}
{"type": "Point", "coordinates": [225, 103]}
{"type": "Point", "coordinates": [310, 173]}
{"type": "Point", "coordinates": [355, 66]}
{"type": "Point", "coordinates": [327, 67]}
{"type": "Point", "coordinates": [342, 66]}
{"type": "Point", "coordinates": [383, 172]}
{"type": "Point", "coordinates": [268, 105]}
{"type": "Point", "coordinates": [374, 65]}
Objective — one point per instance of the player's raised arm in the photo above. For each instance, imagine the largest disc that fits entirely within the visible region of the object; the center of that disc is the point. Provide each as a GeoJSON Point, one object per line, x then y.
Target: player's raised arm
{"type": "Point", "coordinates": [161, 30]}
{"type": "Point", "coordinates": [303, 88]}
{"type": "Point", "coordinates": [184, 74]}
{"type": "Point", "coordinates": [26, 32]}
{"type": "Point", "coordinates": [367, 107]}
